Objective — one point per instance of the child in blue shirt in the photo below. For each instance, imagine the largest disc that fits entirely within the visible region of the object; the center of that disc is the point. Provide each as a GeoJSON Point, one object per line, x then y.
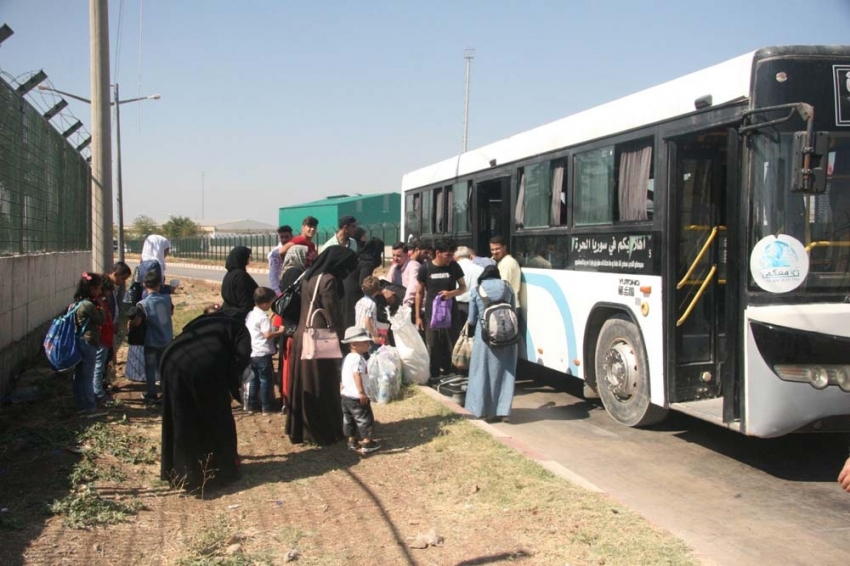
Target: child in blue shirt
{"type": "Point", "coordinates": [154, 311]}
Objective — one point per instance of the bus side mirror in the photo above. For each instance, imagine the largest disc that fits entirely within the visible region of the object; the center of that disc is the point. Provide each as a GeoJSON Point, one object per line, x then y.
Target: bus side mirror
{"type": "Point", "coordinates": [809, 175]}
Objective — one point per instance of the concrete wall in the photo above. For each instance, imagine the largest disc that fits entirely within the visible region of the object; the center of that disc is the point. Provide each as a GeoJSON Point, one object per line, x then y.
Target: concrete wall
{"type": "Point", "coordinates": [34, 289]}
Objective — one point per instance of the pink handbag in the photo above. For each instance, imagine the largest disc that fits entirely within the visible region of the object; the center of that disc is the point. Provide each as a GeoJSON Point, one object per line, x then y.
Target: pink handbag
{"type": "Point", "coordinates": [319, 343]}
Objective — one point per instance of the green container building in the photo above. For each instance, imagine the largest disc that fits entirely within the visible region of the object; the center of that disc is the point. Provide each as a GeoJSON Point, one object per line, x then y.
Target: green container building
{"type": "Point", "coordinates": [377, 213]}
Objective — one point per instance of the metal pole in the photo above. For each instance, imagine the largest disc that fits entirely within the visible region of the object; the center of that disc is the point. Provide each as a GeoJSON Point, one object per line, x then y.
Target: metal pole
{"type": "Point", "coordinates": [202, 196]}
{"type": "Point", "coordinates": [120, 195]}
{"type": "Point", "coordinates": [468, 55]}
{"type": "Point", "coordinates": [101, 190]}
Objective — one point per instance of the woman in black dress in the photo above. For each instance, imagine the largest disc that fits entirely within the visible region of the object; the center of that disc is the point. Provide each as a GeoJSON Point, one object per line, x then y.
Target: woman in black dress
{"type": "Point", "coordinates": [315, 411]}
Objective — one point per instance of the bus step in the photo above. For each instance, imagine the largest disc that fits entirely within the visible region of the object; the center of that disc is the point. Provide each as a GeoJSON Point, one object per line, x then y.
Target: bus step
{"type": "Point", "coordinates": [710, 410]}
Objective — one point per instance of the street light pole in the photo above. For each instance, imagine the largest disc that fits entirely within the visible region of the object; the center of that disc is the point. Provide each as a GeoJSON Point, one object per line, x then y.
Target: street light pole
{"type": "Point", "coordinates": [119, 196]}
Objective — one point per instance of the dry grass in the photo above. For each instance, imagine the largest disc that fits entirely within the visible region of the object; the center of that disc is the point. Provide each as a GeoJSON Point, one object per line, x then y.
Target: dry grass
{"type": "Point", "coordinates": [436, 473]}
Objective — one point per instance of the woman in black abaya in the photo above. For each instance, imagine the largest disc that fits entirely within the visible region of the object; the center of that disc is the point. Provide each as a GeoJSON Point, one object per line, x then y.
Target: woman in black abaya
{"type": "Point", "coordinates": [237, 287]}
{"type": "Point", "coordinates": [201, 370]}
{"type": "Point", "coordinates": [315, 411]}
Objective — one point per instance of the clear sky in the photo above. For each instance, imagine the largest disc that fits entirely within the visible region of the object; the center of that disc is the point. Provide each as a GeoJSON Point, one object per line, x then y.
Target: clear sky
{"type": "Point", "coordinates": [276, 102]}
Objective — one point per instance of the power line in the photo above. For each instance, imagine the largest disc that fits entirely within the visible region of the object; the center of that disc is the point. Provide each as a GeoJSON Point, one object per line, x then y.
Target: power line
{"type": "Point", "coordinates": [118, 42]}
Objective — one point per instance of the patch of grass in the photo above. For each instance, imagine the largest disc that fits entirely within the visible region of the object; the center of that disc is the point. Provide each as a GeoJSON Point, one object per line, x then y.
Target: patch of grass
{"type": "Point", "coordinates": [85, 508]}
{"type": "Point", "coordinates": [210, 544]}
{"type": "Point", "coordinates": [87, 471]}
{"type": "Point", "coordinates": [103, 438]}
{"type": "Point", "coordinates": [517, 488]}
{"type": "Point", "coordinates": [36, 437]}
{"type": "Point", "coordinates": [9, 523]}
{"type": "Point", "coordinates": [183, 316]}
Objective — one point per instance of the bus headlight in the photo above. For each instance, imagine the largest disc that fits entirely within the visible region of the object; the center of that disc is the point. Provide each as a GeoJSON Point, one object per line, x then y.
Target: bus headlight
{"type": "Point", "coordinates": [842, 378]}
{"type": "Point", "coordinates": [819, 377]}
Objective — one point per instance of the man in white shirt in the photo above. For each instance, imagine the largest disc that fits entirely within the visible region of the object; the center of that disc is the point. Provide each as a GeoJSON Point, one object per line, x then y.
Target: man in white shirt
{"type": "Point", "coordinates": [345, 235]}
{"type": "Point", "coordinates": [284, 234]}
{"type": "Point", "coordinates": [508, 266]}
{"type": "Point", "coordinates": [471, 271]}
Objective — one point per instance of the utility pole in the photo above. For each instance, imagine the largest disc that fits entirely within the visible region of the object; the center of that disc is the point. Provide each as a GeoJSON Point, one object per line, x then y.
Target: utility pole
{"type": "Point", "coordinates": [101, 189]}
{"type": "Point", "coordinates": [202, 196]}
{"type": "Point", "coordinates": [119, 197]}
{"type": "Point", "coordinates": [468, 54]}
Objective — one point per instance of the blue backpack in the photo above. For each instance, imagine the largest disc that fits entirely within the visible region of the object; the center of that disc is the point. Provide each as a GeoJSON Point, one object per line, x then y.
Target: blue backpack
{"type": "Point", "coordinates": [60, 343]}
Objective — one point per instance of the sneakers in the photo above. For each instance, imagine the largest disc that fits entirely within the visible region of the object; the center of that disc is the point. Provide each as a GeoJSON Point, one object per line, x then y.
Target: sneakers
{"type": "Point", "coordinates": [151, 399]}
{"type": "Point", "coordinates": [369, 447]}
{"type": "Point", "coordinates": [363, 447]}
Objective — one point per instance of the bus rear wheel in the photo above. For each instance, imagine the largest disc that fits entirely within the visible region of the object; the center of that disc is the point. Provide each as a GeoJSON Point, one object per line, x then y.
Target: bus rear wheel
{"type": "Point", "coordinates": [622, 374]}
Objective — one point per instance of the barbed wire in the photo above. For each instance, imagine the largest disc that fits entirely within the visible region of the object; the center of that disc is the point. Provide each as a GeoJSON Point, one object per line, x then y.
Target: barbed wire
{"type": "Point", "coordinates": [44, 100]}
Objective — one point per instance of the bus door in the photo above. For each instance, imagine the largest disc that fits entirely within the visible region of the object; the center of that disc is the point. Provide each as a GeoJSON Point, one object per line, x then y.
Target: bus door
{"type": "Point", "coordinates": [698, 183]}
{"type": "Point", "coordinates": [491, 213]}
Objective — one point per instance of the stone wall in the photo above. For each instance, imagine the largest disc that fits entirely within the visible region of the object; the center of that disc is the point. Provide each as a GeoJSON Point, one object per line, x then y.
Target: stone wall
{"type": "Point", "coordinates": [34, 289]}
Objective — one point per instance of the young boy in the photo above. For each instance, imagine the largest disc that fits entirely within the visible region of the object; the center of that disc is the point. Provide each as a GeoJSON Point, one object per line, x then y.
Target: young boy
{"type": "Point", "coordinates": [157, 309]}
{"type": "Point", "coordinates": [366, 311]}
{"type": "Point", "coordinates": [357, 417]}
{"type": "Point", "coordinates": [262, 351]}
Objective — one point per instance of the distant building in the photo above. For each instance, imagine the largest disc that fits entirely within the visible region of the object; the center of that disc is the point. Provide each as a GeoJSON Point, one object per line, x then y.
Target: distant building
{"type": "Point", "coordinates": [225, 227]}
{"type": "Point", "coordinates": [369, 210]}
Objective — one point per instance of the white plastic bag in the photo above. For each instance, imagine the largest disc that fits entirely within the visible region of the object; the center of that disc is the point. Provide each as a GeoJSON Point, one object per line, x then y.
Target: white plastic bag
{"type": "Point", "coordinates": [383, 382]}
{"type": "Point", "coordinates": [415, 363]}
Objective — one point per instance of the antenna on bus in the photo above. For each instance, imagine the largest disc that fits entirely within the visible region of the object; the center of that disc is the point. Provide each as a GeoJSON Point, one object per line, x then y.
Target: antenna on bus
{"type": "Point", "coordinates": [468, 54]}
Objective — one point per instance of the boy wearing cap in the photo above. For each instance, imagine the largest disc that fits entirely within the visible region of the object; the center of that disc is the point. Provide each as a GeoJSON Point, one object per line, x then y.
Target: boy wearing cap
{"type": "Point", "coordinates": [357, 417]}
{"type": "Point", "coordinates": [345, 235]}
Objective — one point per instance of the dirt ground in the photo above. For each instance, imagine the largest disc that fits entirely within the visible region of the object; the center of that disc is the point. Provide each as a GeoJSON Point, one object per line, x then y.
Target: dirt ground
{"type": "Point", "coordinates": [87, 491]}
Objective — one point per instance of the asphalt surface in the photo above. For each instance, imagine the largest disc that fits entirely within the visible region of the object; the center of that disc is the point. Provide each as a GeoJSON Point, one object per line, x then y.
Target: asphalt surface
{"type": "Point", "coordinates": [733, 499]}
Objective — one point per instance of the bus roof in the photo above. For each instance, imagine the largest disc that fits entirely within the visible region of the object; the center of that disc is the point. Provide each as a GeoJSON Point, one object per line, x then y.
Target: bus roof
{"type": "Point", "coordinates": [726, 82]}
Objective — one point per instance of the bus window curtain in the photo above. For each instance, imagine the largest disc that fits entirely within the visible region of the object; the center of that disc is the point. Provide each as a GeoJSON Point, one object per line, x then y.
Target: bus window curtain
{"type": "Point", "coordinates": [557, 184]}
{"type": "Point", "coordinates": [634, 182]}
{"type": "Point", "coordinates": [519, 213]}
{"type": "Point", "coordinates": [438, 216]}
{"type": "Point", "coordinates": [450, 211]}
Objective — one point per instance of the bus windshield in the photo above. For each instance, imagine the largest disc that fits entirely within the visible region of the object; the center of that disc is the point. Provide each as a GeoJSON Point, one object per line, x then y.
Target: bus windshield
{"type": "Point", "coordinates": [820, 222]}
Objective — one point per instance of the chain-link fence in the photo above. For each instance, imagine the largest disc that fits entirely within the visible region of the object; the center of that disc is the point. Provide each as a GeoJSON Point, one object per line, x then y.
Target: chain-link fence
{"type": "Point", "coordinates": [45, 184]}
{"type": "Point", "coordinates": [217, 247]}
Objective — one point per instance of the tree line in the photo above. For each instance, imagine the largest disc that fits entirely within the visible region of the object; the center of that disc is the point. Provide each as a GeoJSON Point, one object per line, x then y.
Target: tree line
{"type": "Point", "coordinates": [176, 227]}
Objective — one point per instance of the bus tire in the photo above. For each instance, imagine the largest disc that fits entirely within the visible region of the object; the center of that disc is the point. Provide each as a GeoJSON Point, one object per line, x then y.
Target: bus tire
{"type": "Point", "coordinates": [622, 374]}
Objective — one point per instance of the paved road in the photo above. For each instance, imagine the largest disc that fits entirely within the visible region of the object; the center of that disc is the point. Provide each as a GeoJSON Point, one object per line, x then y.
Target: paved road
{"type": "Point", "coordinates": [733, 499]}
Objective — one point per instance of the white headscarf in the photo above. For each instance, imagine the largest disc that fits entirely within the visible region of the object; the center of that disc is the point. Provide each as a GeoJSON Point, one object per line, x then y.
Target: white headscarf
{"type": "Point", "coordinates": [154, 248]}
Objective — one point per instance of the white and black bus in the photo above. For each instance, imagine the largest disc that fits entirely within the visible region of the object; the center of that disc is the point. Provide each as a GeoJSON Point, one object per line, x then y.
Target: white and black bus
{"type": "Point", "coordinates": [686, 247]}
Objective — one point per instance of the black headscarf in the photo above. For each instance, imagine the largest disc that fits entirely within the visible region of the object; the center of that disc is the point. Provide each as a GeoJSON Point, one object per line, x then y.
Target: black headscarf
{"type": "Point", "coordinates": [372, 253]}
{"type": "Point", "coordinates": [490, 272]}
{"type": "Point", "coordinates": [238, 258]}
{"type": "Point", "coordinates": [338, 261]}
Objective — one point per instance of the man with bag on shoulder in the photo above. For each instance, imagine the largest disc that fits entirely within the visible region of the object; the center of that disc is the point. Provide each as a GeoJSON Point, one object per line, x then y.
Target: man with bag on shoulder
{"type": "Point", "coordinates": [440, 281]}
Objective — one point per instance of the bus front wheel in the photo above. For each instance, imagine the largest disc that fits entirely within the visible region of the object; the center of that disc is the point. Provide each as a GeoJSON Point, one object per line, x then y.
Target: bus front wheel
{"type": "Point", "coordinates": [622, 374]}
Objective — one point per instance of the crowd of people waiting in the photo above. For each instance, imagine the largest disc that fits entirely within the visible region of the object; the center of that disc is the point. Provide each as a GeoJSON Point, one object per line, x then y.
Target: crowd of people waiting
{"type": "Point", "coordinates": [228, 351]}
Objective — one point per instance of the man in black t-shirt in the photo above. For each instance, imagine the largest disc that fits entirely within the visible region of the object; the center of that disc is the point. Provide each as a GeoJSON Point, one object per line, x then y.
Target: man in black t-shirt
{"type": "Point", "coordinates": [439, 276]}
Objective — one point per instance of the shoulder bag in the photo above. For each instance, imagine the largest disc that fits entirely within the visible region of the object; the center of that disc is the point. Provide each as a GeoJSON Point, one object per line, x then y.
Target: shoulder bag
{"type": "Point", "coordinates": [462, 352]}
{"type": "Point", "coordinates": [319, 343]}
{"type": "Point", "coordinates": [288, 304]}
